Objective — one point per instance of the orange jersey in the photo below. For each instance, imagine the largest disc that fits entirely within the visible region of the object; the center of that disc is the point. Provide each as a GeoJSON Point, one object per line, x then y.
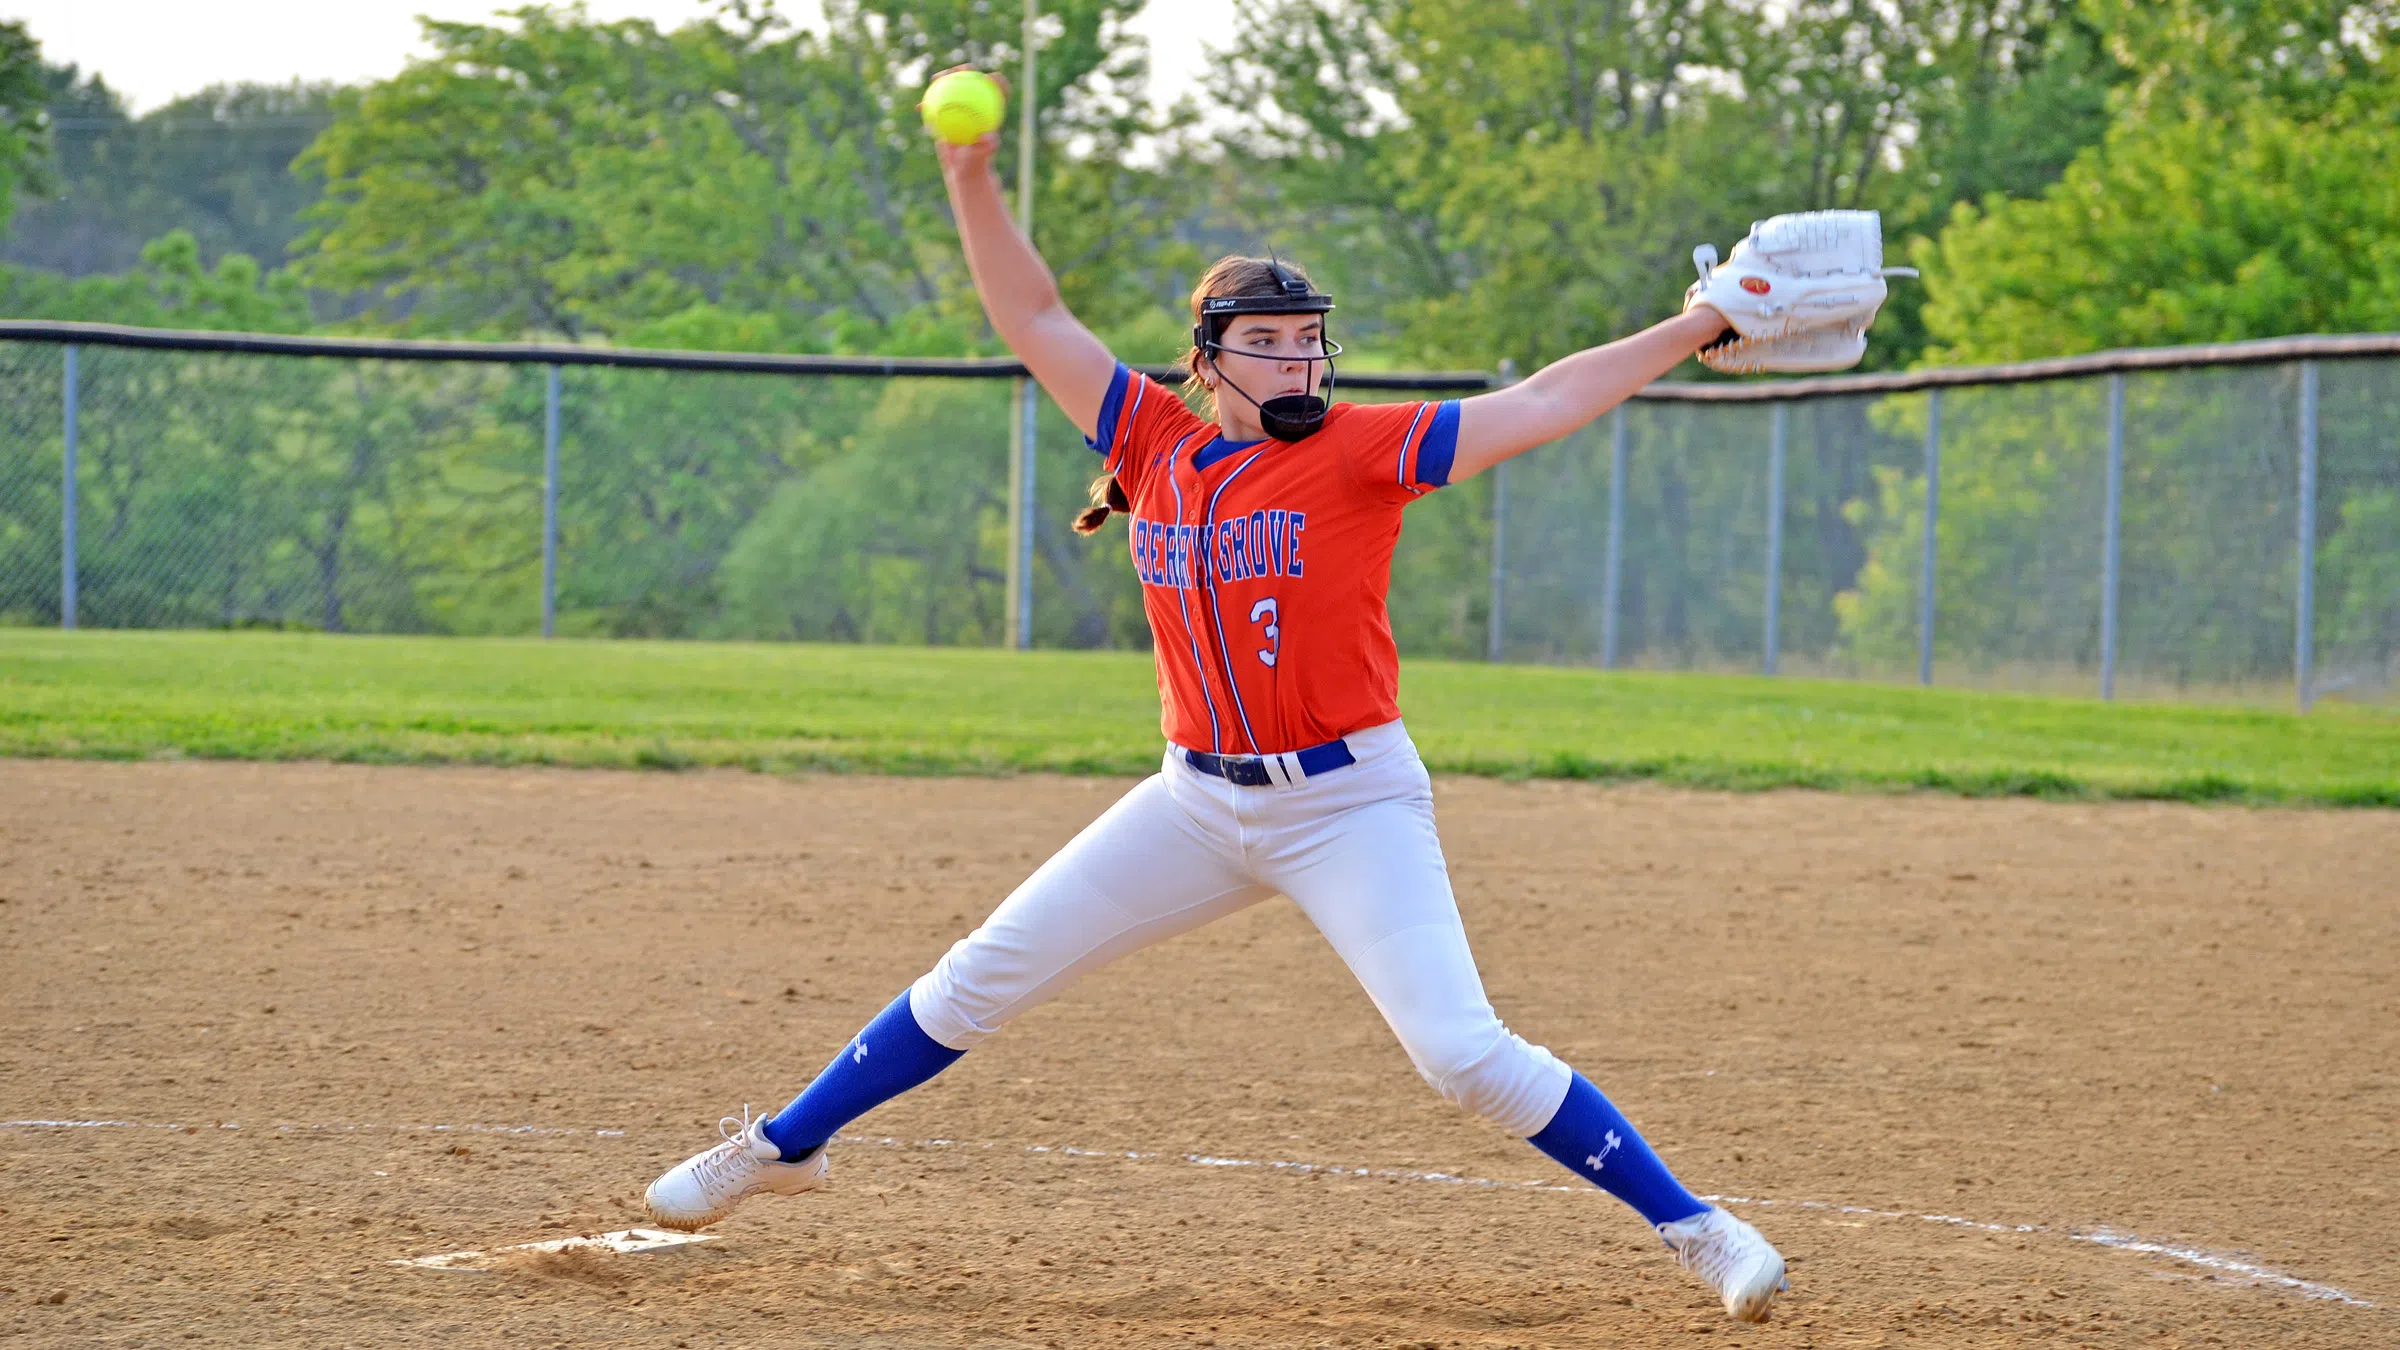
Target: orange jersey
{"type": "Point", "coordinates": [1264, 565]}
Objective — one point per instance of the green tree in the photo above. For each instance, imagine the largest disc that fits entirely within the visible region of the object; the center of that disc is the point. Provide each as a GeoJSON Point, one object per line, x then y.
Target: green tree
{"type": "Point", "coordinates": [24, 120]}
{"type": "Point", "coordinates": [1521, 178]}
{"type": "Point", "coordinates": [2210, 230]}
{"type": "Point", "coordinates": [168, 289]}
{"type": "Point", "coordinates": [224, 489]}
{"type": "Point", "coordinates": [901, 537]}
{"type": "Point", "coordinates": [216, 164]}
{"type": "Point", "coordinates": [2244, 191]}
{"type": "Point", "coordinates": [2362, 566]}
{"type": "Point", "coordinates": [554, 173]}
{"type": "Point", "coordinates": [2303, 57]}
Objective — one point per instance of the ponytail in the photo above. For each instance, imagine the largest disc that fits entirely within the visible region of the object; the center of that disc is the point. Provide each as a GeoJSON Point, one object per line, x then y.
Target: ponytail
{"type": "Point", "coordinates": [1107, 496]}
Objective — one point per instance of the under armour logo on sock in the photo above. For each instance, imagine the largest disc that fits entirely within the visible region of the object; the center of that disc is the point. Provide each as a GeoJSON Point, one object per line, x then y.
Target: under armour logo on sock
{"type": "Point", "coordinates": [858, 1054]}
{"type": "Point", "coordinates": [1614, 1143]}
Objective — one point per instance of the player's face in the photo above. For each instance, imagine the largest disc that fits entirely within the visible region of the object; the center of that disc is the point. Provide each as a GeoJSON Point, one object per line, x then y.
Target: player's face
{"type": "Point", "coordinates": [1270, 355]}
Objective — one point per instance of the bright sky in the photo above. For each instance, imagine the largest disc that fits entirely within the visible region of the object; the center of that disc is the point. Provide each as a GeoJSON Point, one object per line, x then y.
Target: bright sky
{"type": "Point", "coordinates": [153, 50]}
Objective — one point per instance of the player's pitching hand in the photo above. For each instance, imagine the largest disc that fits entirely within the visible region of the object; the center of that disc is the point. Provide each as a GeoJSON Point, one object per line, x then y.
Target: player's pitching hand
{"type": "Point", "coordinates": [962, 161]}
{"type": "Point", "coordinates": [975, 156]}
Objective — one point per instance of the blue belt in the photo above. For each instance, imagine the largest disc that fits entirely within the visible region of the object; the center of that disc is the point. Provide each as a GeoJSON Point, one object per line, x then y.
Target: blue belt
{"type": "Point", "coordinates": [1251, 770]}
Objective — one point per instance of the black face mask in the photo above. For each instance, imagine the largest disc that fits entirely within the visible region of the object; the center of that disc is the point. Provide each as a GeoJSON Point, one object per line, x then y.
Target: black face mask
{"type": "Point", "coordinates": [1286, 417]}
{"type": "Point", "coordinates": [1293, 417]}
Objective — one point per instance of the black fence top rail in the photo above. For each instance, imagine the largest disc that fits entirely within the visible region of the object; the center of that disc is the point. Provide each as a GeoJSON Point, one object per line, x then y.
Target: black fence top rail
{"type": "Point", "coordinates": [629, 358]}
{"type": "Point", "coordinates": [2123, 361]}
{"type": "Point", "coordinates": [2260, 351]}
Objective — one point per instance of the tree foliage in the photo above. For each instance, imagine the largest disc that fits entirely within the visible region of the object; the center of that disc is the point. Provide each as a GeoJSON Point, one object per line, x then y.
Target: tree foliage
{"type": "Point", "coordinates": [24, 117]}
{"type": "Point", "coordinates": [554, 173]}
{"type": "Point", "coordinates": [169, 288]}
{"type": "Point", "coordinates": [1479, 179]}
{"type": "Point", "coordinates": [1528, 177]}
{"type": "Point", "coordinates": [2243, 190]}
{"type": "Point", "coordinates": [2246, 191]}
{"type": "Point", "coordinates": [216, 164]}
{"type": "Point", "coordinates": [2254, 225]}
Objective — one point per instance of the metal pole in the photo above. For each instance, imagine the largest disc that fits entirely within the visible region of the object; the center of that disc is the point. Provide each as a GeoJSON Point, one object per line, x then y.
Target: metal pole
{"type": "Point", "coordinates": [67, 581]}
{"type": "Point", "coordinates": [1023, 562]}
{"type": "Point", "coordinates": [1775, 458]}
{"type": "Point", "coordinates": [550, 509]}
{"type": "Point", "coordinates": [1499, 566]}
{"type": "Point", "coordinates": [2112, 537]}
{"type": "Point", "coordinates": [1022, 440]}
{"type": "Point", "coordinates": [2304, 636]}
{"type": "Point", "coordinates": [1028, 94]}
{"type": "Point", "coordinates": [1613, 573]}
{"type": "Point", "coordinates": [1009, 634]}
{"type": "Point", "coordinates": [1933, 510]}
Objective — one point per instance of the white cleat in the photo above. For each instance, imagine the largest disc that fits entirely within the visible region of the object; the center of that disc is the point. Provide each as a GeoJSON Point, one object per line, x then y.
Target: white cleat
{"type": "Point", "coordinates": [706, 1187]}
{"type": "Point", "coordinates": [1739, 1263]}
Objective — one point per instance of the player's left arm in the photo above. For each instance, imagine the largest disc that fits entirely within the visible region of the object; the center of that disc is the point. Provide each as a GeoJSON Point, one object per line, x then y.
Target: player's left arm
{"type": "Point", "coordinates": [1563, 396]}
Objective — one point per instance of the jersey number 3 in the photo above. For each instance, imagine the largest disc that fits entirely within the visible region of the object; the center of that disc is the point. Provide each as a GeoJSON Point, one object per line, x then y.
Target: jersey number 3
{"type": "Point", "coordinates": [1264, 612]}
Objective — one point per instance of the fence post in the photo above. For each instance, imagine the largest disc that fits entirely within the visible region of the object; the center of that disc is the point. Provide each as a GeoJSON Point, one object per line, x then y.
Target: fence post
{"type": "Point", "coordinates": [1933, 510]}
{"type": "Point", "coordinates": [550, 506]}
{"type": "Point", "coordinates": [1613, 568]}
{"type": "Point", "coordinates": [1020, 511]}
{"type": "Point", "coordinates": [2112, 537]}
{"type": "Point", "coordinates": [2304, 635]}
{"type": "Point", "coordinates": [1492, 640]}
{"type": "Point", "coordinates": [1499, 566]}
{"type": "Point", "coordinates": [1016, 522]}
{"type": "Point", "coordinates": [1775, 458]}
{"type": "Point", "coordinates": [1021, 441]}
{"type": "Point", "coordinates": [67, 581]}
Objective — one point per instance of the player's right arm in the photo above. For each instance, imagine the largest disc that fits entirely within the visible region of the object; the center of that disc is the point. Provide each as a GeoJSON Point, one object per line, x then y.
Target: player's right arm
{"type": "Point", "coordinates": [1019, 295]}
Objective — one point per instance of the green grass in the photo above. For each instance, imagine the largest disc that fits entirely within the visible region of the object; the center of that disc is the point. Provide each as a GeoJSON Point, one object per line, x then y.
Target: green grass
{"type": "Point", "coordinates": [781, 708]}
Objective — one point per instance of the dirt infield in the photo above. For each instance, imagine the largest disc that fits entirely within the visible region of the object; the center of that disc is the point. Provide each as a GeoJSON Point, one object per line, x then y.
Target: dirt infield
{"type": "Point", "coordinates": [2066, 1026]}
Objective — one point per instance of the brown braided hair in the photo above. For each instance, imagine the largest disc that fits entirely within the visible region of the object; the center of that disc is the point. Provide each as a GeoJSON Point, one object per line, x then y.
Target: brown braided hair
{"type": "Point", "coordinates": [1232, 274]}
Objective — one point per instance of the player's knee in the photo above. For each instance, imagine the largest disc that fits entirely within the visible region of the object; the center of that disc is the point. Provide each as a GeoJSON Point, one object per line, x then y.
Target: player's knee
{"type": "Point", "coordinates": [954, 1008]}
{"type": "Point", "coordinates": [1498, 1075]}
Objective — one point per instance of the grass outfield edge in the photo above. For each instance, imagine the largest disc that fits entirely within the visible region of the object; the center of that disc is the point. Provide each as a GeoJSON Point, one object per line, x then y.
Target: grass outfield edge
{"type": "Point", "coordinates": [799, 708]}
{"type": "Point", "coordinates": [660, 755]}
{"type": "Point", "coordinates": [2040, 784]}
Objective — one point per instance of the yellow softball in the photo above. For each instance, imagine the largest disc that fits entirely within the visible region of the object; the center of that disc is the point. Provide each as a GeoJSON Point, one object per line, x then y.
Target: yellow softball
{"type": "Point", "coordinates": [962, 106]}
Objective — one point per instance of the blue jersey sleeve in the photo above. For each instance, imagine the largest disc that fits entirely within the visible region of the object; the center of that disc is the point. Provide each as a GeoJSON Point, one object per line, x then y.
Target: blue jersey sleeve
{"type": "Point", "coordinates": [1112, 414]}
{"type": "Point", "coordinates": [1431, 468]}
{"type": "Point", "coordinates": [1140, 421]}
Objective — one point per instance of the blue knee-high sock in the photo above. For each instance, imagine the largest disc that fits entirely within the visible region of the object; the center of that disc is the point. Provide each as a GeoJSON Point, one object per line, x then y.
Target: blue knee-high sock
{"type": "Point", "coordinates": [1594, 1140]}
{"type": "Point", "coordinates": [892, 1055]}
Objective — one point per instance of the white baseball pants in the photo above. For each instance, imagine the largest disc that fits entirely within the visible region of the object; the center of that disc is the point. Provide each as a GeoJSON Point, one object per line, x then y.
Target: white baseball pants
{"type": "Point", "coordinates": [1355, 847]}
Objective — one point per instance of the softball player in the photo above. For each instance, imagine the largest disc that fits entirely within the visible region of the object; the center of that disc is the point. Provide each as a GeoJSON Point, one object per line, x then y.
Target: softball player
{"type": "Point", "coordinates": [1263, 541]}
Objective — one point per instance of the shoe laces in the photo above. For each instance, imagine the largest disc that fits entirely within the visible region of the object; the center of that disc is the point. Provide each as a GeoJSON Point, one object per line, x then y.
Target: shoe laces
{"type": "Point", "coordinates": [1713, 1252]}
{"type": "Point", "coordinates": [732, 1159]}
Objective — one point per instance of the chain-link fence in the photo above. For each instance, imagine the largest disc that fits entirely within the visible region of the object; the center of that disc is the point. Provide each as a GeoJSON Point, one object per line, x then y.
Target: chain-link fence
{"type": "Point", "coordinates": [2215, 522]}
{"type": "Point", "coordinates": [2218, 522]}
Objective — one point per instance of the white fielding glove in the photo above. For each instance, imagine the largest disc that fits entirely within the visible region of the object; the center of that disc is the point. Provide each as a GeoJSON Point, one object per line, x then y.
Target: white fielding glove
{"type": "Point", "coordinates": [1799, 291]}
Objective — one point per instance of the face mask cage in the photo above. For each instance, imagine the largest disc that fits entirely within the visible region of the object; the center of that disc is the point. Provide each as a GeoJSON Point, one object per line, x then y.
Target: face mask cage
{"type": "Point", "coordinates": [1288, 417]}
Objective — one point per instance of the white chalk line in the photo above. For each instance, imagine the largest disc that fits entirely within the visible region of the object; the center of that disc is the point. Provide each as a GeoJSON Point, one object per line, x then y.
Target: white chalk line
{"type": "Point", "coordinates": [196, 1126]}
{"type": "Point", "coordinates": [2102, 1236]}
